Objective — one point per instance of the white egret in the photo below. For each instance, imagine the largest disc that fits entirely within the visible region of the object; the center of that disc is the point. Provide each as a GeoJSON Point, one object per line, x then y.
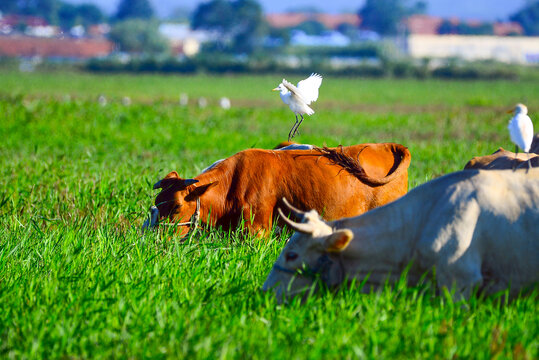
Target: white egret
{"type": "Point", "coordinates": [224, 103]}
{"type": "Point", "coordinates": [521, 130]}
{"type": "Point", "coordinates": [298, 98]}
{"type": "Point", "coordinates": [102, 100]}
{"type": "Point", "coordinates": [184, 99]}
{"type": "Point", "coordinates": [202, 102]}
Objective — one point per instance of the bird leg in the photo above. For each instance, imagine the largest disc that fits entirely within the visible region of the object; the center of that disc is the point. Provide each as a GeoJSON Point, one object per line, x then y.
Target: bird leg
{"type": "Point", "coordinates": [291, 134]}
{"type": "Point", "coordinates": [529, 163]}
{"type": "Point", "coordinates": [296, 132]}
{"type": "Point", "coordinates": [515, 162]}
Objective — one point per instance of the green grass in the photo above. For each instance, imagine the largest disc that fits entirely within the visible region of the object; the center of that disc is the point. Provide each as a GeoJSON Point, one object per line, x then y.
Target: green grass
{"type": "Point", "coordinates": [78, 280]}
{"type": "Point", "coordinates": [335, 93]}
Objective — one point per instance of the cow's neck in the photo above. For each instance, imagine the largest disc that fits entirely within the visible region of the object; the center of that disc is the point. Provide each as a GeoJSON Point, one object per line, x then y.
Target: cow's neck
{"type": "Point", "coordinates": [384, 242]}
{"type": "Point", "coordinates": [212, 202]}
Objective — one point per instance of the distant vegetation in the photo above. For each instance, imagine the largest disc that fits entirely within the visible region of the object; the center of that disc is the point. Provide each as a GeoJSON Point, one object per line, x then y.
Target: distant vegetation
{"type": "Point", "coordinates": [56, 12]}
{"type": "Point", "coordinates": [261, 65]}
{"type": "Point", "coordinates": [385, 16]}
{"type": "Point", "coordinates": [528, 17]}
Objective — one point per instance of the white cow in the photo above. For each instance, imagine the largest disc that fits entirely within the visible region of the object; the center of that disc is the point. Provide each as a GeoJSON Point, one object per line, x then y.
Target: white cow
{"type": "Point", "coordinates": [477, 228]}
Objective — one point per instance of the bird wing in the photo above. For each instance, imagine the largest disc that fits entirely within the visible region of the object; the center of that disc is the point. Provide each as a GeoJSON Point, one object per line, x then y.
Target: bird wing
{"type": "Point", "coordinates": [309, 87]}
{"type": "Point", "coordinates": [521, 131]}
{"type": "Point", "coordinates": [294, 90]}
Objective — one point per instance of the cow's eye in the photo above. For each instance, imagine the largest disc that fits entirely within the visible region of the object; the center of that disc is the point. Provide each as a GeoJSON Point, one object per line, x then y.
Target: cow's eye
{"type": "Point", "coordinates": [290, 256]}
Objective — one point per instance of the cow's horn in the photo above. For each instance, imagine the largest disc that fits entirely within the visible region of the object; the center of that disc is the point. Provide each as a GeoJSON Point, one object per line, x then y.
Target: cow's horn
{"type": "Point", "coordinates": [297, 212]}
{"type": "Point", "coordinates": [304, 228]}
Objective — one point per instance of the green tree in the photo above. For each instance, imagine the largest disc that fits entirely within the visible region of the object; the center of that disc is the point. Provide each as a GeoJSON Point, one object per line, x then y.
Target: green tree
{"type": "Point", "coordinates": [348, 30]}
{"type": "Point", "coordinates": [127, 9]}
{"type": "Point", "coordinates": [384, 16]}
{"type": "Point", "coordinates": [463, 28]}
{"type": "Point", "coordinates": [90, 14]}
{"type": "Point", "coordinates": [249, 27]}
{"type": "Point", "coordinates": [280, 33]}
{"type": "Point", "coordinates": [48, 9]}
{"type": "Point", "coordinates": [139, 36]}
{"type": "Point", "coordinates": [311, 27]}
{"type": "Point", "coordinates": [67, 16]}
{"type": "Point", "coordinates": [240, 23]}
{"type": "Point", "coordinates": [481, 29]}
{"type": "Point", "coordinates": [420, 7]}
{"type": "Point", "coordinates": [528, 18]}
{"type": "Point", "coordinates": [85, 14]}
{"type": "Point", "coordinates": [215, 15]}
{"type": "Point", "coordinates": [447, 27]}
{"type": "Point", "coordinates": [55, 11]}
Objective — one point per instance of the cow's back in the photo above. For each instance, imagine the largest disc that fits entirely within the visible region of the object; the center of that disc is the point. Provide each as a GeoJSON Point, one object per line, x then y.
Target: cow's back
{"type": "Point", "coordinates": [261, 178]}
{"type": "Point", "coordinates": [490, 216]}
{"type": "Point", "coordinates": [311, 181]}
{"type": "Point", "coordinates": [508, 225]}
{"type": "Point", "coordinates": [502, 159]}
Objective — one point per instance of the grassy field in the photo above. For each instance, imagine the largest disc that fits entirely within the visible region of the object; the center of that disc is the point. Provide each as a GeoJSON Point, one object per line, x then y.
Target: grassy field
{"type": "Point", "coordinates": [77, 279]}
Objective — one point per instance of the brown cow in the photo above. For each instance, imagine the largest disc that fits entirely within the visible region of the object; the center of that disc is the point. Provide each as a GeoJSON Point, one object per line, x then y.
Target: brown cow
{"type": "Point", "coordinates": [337, 182]}
{"type": "Point", "coordinates": [534, 148]}
{"type": "Point", "coordinates": [290, 145]}
{"type": "Point", "coordinates": [502, 159]}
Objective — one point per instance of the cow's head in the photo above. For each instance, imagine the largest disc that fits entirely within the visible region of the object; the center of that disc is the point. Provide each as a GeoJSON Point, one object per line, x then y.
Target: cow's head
{"type": "Point", "coordinates": [177, 201]}
{"type": "Point", "coordinates": [310, 253]}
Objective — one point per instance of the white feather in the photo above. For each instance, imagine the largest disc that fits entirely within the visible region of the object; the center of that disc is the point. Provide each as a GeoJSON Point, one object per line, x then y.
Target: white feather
{"type": "Point", "coordinates": [521, 131]}
{"type": "Point", "coordinates": [299, 97]}
{"type": "Point", "coordinates": [308, 88]}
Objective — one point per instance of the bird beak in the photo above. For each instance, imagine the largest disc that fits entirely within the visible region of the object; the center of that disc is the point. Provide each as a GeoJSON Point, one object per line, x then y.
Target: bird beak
{"type": "Point", "coordinates": [510, 111]}
{"type": "Point", "coordinates": [276, 89]}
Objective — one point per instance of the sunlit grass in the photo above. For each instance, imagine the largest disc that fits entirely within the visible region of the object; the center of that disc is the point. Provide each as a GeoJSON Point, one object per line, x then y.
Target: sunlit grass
{"type": "Point", "coordinates": [77, 279]}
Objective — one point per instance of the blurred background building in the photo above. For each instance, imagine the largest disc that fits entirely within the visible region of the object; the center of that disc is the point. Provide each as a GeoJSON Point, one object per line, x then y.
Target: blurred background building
{"type": "Point", "coordinates": [222, 35]}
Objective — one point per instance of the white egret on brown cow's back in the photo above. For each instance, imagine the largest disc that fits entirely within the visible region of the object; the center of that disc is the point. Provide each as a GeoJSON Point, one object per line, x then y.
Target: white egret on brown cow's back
{"type": "Point", "coordinates": [298, 98]}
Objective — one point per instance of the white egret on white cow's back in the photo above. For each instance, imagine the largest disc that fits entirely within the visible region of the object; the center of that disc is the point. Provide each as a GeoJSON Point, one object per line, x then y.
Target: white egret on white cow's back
{"type": "Point", "coordinates": [299, 98]}
{"type": "Point", "coordinates": [521, 129]}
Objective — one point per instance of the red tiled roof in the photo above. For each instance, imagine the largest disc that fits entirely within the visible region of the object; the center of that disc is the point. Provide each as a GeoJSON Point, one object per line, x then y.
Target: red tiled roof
{"type": "Point", "coordinates": [509, 28]}
{"type": "Point", "coordinates": [423, 24]}
{"type": "Point", "coordinates": [286, 20]}
{"type": "Point", "coordinates": [52, 47]}
{"type": "Point", "coordinates": [14, 20]}
{"type": "Point", "coordinates": [331, 21]}
{"type": "Point", "coordinates": [428, 25]}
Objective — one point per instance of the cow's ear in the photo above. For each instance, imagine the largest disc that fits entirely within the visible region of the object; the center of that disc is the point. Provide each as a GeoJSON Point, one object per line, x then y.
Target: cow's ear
{"type": "Point", "coordinates": [199, 190]}
{"type": "Point", "coordinates": [172, 178]}
{"type": "Point", "coordinates": [338, 241]}
{"type": "Point", "coordinates": [172, 175]}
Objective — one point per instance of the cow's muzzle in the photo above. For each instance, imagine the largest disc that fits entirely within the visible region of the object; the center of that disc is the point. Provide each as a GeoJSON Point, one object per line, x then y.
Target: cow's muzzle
{"type": "Point", "coordinates": [152, 220]}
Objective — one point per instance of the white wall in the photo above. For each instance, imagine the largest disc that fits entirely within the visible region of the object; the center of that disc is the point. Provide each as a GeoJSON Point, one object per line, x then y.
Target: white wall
{"type": "Point", "coordinates": [510, 49]}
